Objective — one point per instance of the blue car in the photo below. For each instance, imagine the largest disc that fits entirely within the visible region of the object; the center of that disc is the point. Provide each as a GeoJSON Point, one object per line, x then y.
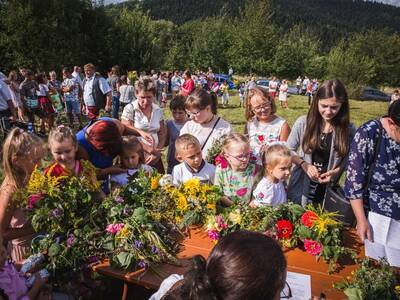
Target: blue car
{"type": "Point", "coordinates": [222, 77]}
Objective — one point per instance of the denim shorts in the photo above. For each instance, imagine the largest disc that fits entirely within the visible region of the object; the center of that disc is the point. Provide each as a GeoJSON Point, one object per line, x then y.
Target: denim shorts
{"type": "Point", "coordinates": [73, 107]}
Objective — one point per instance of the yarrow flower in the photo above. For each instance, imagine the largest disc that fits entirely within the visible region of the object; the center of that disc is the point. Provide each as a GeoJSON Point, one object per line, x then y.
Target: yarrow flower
{"type": "Point", "coordinates": [312, 247]}
{"type": "Point", "coordinates": [308, 218]}
{"type": "Point", "coordinates": [284, 229]}
{"type": "Point", "coordinates": [119, 199]}
{"type": "Point", "coordinates": [114, 228]}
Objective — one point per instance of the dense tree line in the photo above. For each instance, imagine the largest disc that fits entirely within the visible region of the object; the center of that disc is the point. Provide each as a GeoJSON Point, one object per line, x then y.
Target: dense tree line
{"type": "Point", "coordinates": [252, 36]}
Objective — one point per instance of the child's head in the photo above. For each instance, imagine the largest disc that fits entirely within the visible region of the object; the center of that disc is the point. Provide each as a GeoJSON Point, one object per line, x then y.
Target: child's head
{"type": "Point", "coordinates": [63, 146]}
{"type": "Point", "coordinates": [22, 151]}
{"type": "Point", "coordinates": [41, 78]}
{"type": "Point", "coordinates": [201, 106]}
{"type": "Point", "coordinates": [53, 75]}
{"type": "Point", "coordinates": [236, 150]}
{"type": "Point", "coordinates": [277, 161]}
{"type": "Point", "coordinates": [259, 104]}
{"type": "Point", "coordinates": [145, 91]}
{"type": "Point", "coordinates": [188, 150]}
{"type": "Point", "coordinates": [243, 265]}
{"type": "Point", "coordinates": [124, 79]}
{"type": "Point", "coordinates": [132, 153]}
{"type": "Point", "coordinates": [177, 107]}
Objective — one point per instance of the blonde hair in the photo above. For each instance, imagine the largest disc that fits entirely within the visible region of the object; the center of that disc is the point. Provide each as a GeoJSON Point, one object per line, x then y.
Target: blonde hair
{"type": "Point", "coordinates": [186, 140]}
{"type": "Point", "coordinates": [261, 92]}
{"type": "Point", "coordinates": [274, 154]}
{"type": "Point", "coordinates": [132, 143]}
{"type": "Point", "coordinates": [61, 133]}
{"type": "Point", "coordinates": [89, 66]}
{"type": "Point", "coordinates": [19, 143]}
{"type": "Point", "coordinates": [234, 138]}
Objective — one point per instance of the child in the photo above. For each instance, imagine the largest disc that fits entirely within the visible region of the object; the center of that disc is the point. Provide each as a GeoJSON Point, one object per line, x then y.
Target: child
{"type": "Point", "coordinates": [22, 151]}
{"type": "Point", "coordinates": [188, 152]}
{"type": "Point", "coordinates": [237, 172]}
{"type": "Point", "coordinates": [277, 162]}
{"type": "Point", "coordinates": [224, 92]}
{"type": "Point", "coordinates": [70, 89]}
{"type": "Point", "coordinates": [63, 146]}
{"type": "Point", "coordinates": [174, 126]}
{"type": "Point", "coordinates": [131, 159]}
{"type": "Point", "coordinates": [45, 102]}
{"type": "Point", "coordinates": [15, 285]}
{"type": "Point", "coordinates": [263, 126]}
{"type": "Point", "coordinates": [241, 94]}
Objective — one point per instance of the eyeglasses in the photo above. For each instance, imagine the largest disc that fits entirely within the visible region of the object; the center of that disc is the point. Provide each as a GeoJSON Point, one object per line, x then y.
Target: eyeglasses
{"type": "Point", "coordinates": [265, 106]}
{"type": "Point", "coordinates": [241, 157]}
{"type": "Point", "coordinates": [286, 293]}
{"type": "Point", "coordinates": [193, 114]}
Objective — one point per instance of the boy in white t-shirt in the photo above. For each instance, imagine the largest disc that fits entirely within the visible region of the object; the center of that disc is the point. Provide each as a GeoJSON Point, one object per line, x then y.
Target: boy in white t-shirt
{"type": "Point", "coordinates": [188, 152]}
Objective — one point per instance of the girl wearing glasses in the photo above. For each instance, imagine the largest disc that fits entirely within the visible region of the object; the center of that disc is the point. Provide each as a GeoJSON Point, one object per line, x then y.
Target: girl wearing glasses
{"type": "Point", "coordinates": [263, 126]}
{"type": "Point", "coordinates": [205, 125]}
{"type": "Point", "coordinates": [322, 141]}
{"type": "Point", "coordinates": [237, 172]}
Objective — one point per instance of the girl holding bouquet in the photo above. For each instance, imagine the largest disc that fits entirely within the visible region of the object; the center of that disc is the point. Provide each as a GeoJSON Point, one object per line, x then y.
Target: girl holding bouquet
{"type": "Point", "coordinates": [22, 151]}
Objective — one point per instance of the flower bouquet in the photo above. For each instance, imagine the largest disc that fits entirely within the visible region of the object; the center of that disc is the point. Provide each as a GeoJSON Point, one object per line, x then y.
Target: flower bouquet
{"type": "Point", "coordinates": [371, 281]}
{"type": "Point", "coordinates": [61, 209]}
{"type": "Point", "coordinates": [215, 150]}
{"type": "Point", "coordinates": [316, 231]}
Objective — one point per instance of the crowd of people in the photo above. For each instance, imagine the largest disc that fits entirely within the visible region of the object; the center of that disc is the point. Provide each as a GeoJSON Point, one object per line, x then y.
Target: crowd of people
{"type": "Point", "coordinates": [252, 168]}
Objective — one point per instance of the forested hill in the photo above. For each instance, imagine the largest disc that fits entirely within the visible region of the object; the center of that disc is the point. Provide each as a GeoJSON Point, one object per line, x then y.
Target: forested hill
{"type": "Point", "coordinates": [344, 16]}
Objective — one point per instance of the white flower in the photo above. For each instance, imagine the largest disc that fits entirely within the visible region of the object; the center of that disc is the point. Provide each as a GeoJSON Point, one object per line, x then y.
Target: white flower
{"type": "Point", "coordinates": [165, 180]}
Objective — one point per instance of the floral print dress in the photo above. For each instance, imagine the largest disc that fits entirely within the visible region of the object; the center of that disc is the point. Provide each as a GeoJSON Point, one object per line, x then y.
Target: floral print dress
{"type": "Point", "coordinates": [237, 185]}
{"type": "Point", "coordinates": [383, 194]}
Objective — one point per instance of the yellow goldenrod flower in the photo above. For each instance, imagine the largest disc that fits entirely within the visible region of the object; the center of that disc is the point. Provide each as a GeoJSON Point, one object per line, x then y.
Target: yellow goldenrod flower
{"type": "Point", "coordinates": [235, 217]}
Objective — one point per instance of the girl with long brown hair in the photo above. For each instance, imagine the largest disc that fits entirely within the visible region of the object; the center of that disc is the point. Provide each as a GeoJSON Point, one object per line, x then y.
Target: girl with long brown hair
{"type": "Point", "coordinates": [321, 140]}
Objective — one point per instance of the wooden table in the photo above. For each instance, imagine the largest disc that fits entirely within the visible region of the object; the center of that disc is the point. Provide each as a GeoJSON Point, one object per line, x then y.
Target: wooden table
{"type": "Point", "coordinates": [198, 243]}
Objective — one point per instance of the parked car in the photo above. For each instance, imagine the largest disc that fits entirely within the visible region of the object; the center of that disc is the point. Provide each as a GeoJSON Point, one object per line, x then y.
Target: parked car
{"type": "Point", "coordinates": [292, 90]}
{"type": "Point", "coordinates": [262, 83]}
{"type": "Point", "coordinates": [370, 93]}
{"type": "Point", "coordinates": [222, 77]}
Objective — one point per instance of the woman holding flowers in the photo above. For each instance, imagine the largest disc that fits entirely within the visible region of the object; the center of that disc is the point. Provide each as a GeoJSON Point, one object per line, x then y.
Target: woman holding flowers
{"type": "Point", "coordinates": [22, 151]}
{"type": "Point", "coordinates": [322, 140]}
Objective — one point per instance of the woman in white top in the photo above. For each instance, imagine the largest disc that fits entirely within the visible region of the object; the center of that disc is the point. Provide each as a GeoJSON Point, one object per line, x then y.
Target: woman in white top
{"type": "Point", "coordinates": [283, 93]}
{"type": "Point", "coordinates": [15, 94]}
{"type": "Point", "coordinates": [147, 118]}
{"type": "Point", "coordinates": [263, 126]}
{"type": "Point", "coordinates": [205, 124]}
{"type": "Point", "coordinates": [126, 91]}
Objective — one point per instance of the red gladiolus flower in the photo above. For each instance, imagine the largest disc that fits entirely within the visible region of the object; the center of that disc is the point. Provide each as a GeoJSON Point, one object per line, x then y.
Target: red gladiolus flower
{"type": "Point", "coordinates": [312, 247]}
{"type": "Point", "coordinates": [308, 218]}
{"type": "Point", "coordinates": [220, 160]}
{"type": "Point", "coordinates": [284, 228]}
{"type": "Point", "coordinates": [33, 199]}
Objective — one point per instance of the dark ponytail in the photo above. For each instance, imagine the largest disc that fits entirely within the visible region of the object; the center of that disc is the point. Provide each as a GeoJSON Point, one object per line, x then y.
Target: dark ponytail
{"type": "Point", "coordinates": [196, 284]}
{"type": "Point", "coordinates": [394, 112]}
{"type": "Point", "coordinates": [200, 99]}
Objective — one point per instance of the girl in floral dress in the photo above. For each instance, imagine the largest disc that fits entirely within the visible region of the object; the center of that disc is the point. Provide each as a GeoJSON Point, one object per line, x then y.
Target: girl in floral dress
{"type": "Point", "coordinates": [263, 126]}
{"type": "Point", "coordinates": [237, 172]}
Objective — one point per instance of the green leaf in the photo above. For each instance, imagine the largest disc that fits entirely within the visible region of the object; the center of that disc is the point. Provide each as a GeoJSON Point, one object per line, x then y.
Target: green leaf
{"type": "Point", "coordinates": [124, 259]}
{"type": "Point", "coordinates": [353, 293]}
{"type": "Point", "coordinates": [109, 244]}
{"type": "Point", "coordinates": [54, 249]}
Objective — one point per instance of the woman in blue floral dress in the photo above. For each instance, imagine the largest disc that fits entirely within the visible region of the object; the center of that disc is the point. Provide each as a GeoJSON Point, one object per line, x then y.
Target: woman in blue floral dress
{"type": "Point", "coordinates": [383, 194]}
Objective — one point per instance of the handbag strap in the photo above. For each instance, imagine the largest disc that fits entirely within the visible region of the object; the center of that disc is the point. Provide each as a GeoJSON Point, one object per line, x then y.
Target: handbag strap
{"type": "Point", "coordinates": [212, 130]}
{"type": "Point", "coordinates": [378, 140]}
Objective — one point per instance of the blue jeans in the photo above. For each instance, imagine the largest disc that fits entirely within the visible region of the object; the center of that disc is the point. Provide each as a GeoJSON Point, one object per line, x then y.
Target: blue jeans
{"type": "Point", "coordinates": [115, 107]}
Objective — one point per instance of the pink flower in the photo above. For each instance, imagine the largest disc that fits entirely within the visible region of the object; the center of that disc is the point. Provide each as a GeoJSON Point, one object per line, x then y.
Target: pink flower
{"type": "Point", "coordinates": [114, 228]}
{"type": "Point", "coordinates": [220, 160]}
{"type": "Point", "coordinates": [33, 199]}
{"type": "Point", "coordinates": [241, 192]}
{"type": "Point", "coordinates": [220, 222]}
{"type": "Point", "coordinates": [312, 247]}
{"type": "Point", "coordinates": [213, 234]}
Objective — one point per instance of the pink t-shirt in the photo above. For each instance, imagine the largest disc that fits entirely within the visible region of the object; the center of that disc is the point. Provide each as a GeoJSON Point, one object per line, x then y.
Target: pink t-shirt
{"type": "Point", "coordinates": [13, 283]}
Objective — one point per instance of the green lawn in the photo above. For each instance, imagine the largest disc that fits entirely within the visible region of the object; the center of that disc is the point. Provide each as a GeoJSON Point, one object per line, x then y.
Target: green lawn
{"type": "Point", "coordinates": [360, 111]}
